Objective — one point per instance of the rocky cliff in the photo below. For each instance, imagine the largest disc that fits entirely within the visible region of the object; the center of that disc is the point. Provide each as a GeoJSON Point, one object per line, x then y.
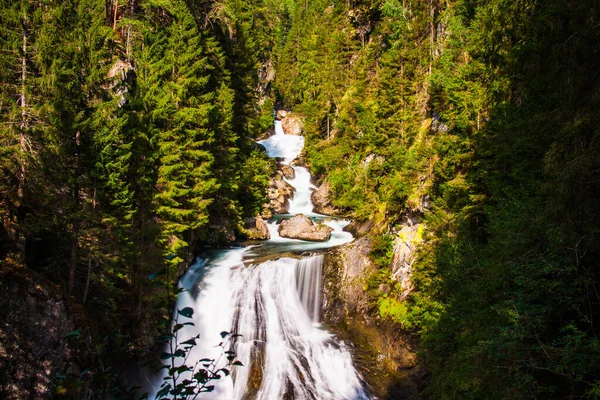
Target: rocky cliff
{"type": "Point", "coordinates": [383, 352]}
{"type": "Point", "coordinates": [35, 318]}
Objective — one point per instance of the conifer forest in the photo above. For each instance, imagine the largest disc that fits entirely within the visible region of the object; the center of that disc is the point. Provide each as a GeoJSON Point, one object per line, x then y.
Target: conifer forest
{"type": "Point", "coordinates": [299, 199]}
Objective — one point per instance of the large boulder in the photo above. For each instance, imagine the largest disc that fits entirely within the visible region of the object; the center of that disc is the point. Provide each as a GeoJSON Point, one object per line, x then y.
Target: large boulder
{"type": "Point", "coordinates": [320, 199]}
{"type": "Point", "coordinates": [303, 228]}
{"type": "Point", "coordinates": [281, 114]}
{"type": "Point", "coordinates": [292, 124]}
{"type": "Point", "coordinates": [256, 229]}
{"type": "Point", "coordinates": [287, 171]}
{"type": "Point", "coordinates": [279, 192]}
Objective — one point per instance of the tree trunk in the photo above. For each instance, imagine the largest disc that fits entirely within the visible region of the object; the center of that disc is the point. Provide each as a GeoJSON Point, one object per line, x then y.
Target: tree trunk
{"type": "Point", "coordinates": [23, 126]}
{"type": "Point", "coordinates": [75, 216]}
{"type": "Point", "coordinates": [116, 9]}
{"type": "Point", "coordinates": [89, 269]}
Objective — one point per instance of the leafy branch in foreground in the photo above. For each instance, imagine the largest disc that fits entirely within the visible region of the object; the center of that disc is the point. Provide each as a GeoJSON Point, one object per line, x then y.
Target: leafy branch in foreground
{"type": "Point", "coordinates": [183, 381]}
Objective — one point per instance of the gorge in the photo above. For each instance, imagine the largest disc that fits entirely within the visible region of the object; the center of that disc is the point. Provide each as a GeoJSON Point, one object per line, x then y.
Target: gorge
{"type": "Point", "coordinates": [426, 226]}
{"type": "Point", "coordinates": [274, 305]}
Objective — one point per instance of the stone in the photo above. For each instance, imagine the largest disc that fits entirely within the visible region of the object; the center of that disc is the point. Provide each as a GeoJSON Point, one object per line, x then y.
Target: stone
{"type": "Point", "coordinates": [281, 114]}
{"type": "Point", "coordinates": [287, 171]}
{"type": "Point", "coordinates": [266, 212]}
{"type": "Point", "coordinates": [407, 240]}
{"type": "Point", "coordinates": [256, 229]}
{"type": "Point", "coordinates": [320, 199]}
{"type": "Point", "coordinates": [35, 317]}
{"type": "Point", "coordinates": [292, 124]}
{"type": "Point", "coordinates": [259, 147]}
{"type": "Point", "coordinates": [282, 186]}
{"type": "Point", "coordinates": [303, 228]}
{"type": "Point", "coordinates": [279, 192]}
{"type": "Point", "coordinates": [348, 311]}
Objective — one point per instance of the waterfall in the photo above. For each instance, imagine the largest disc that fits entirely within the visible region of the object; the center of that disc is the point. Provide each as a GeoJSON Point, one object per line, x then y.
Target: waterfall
{"type": "Point", "coordinates": [275, 306]}
{"type": "Point", "coordinates": [309, 272]}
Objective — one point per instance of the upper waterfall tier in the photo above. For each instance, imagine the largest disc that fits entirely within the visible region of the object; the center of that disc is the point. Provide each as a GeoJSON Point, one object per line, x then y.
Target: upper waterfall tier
{"type": "Point", "coordinates": [284, 146]}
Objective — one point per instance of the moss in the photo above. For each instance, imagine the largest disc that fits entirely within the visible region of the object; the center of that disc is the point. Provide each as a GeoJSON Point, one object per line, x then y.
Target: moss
{"type": "Point", "coordinates": [394, 310]}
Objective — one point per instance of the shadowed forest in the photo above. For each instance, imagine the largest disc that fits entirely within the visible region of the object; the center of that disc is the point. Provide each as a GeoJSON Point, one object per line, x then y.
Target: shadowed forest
{"type": "Point", "coordinates": [127, 145]}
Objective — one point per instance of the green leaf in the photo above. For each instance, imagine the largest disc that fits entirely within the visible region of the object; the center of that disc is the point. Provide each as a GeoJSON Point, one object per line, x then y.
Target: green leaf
{"type": "Point", "coordinates": [72, 334]}
{"type": "Point", "coordinates": [186, 312]}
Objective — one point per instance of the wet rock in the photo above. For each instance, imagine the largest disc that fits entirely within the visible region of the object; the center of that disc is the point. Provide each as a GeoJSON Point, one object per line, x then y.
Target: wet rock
{"type": "Point", "coordinates": [281, 114]}
{"type": "Point", "coordinates": [303, 228]}
{"type": "Point", "coordinates": [287, 171]}
{"type": "Point", "coordinates": [266, 212]}
{"type": "Point", "coordinates": [258, 146]}
{"type": "Point", "coordinates": [270, 132]}
{"type": "Point", "coordinates": [321, 202]}
{"type": "Point", "coordinates": [282, 186]}
{"type": "Point", "coordinates": [279, 192]}
{"type": "Point", "coordinates": [256, 229]}
{"type": "Point", "coordinates": [359, 229]}
{"type": "Point", "coordinates": [384, 354]}
{"type": "Point", "coordinates": [292, 124]}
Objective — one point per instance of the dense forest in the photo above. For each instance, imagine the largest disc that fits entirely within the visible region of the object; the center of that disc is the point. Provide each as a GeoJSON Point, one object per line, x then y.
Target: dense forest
{"type": "Point", "coordinates": [127, 130]}
{"type": "Point", "coordinates": [481, 119]}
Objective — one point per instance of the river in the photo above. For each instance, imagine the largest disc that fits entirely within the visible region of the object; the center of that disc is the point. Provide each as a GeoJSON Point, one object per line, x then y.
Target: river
{"type": "Point", "coordinates": [275, 306]}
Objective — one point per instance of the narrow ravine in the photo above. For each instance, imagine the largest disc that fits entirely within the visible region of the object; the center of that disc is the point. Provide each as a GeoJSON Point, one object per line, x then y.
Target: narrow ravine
{"type": "Point", "coordinates": [275, 305]}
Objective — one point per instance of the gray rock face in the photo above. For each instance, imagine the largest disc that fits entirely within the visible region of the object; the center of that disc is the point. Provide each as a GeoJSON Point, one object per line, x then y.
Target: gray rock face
{"type": "Point", "coordinates": [34, 319]}
{"type": "Point", "coordinates": [347, 309]}
{"type": "Point", "coordinates": [405, 244]}
{"type": "Point", "coordinates": [292, 125]}
{"type": "Point", "coordinates": [257, 229]}
{"type": "Point", "coordinates": [301, 227]}
{"type": "Point", "coordinates": [321, 202]}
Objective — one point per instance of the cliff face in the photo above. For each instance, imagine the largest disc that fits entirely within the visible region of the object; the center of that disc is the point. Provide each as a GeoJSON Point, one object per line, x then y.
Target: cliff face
{"type": "Point", "coordinates": [384, 354]}
{"type": "Point", "coordinates": [34, 319]}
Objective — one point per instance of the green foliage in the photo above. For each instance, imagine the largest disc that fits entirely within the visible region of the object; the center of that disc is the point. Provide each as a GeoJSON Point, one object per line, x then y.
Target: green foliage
{"type": "Point", "coordinates": [396, 311]}
{"type": "Point", "coordinates": [185, 381]}
{"type": "Point", "coordinates": [382, 250]}
{"type": "Point", "coordinates": [478, 117]}
{"type": "Point", "coordinates": [126, 133]}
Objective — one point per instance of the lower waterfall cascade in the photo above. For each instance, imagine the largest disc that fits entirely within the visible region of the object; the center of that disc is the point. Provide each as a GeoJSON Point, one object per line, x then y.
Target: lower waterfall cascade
{"type": "Point", "coordinates": [275, 306]}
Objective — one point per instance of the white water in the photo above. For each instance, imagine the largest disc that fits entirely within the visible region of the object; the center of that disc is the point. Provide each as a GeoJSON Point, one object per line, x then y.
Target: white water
{"type": "Point", "coordinates": [275, 306]}
{"type": "Point", "coordinates": [284, 146]}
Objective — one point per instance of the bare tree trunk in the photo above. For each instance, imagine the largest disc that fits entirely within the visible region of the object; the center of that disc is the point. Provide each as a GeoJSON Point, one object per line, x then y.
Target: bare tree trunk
{"type": "Point", "coordinates": [431, 35]}
{"type": "Point", "coordinates": [116, 9]}
{"type": "Point", "coordinates": [23, 126]}
{"type": "Point", "coordinates": [93, 241]}
{"type": "Point", "coordinates": [75, 233]}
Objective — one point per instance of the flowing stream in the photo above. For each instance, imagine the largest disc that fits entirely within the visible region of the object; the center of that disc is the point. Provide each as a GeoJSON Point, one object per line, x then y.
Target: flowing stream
{"type": "Point", "coordinates": [275, 305]}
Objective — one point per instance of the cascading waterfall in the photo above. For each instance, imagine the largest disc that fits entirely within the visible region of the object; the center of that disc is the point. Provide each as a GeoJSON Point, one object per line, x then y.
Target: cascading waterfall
{"type": "Point", "coordinates": [309, 274]}
{"type": "Point", "coordinates": [275, 306]}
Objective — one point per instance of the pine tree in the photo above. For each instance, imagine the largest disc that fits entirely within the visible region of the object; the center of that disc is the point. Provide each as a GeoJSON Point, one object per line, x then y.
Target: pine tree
{"type": "Point", "coordinates": [180, 114]}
